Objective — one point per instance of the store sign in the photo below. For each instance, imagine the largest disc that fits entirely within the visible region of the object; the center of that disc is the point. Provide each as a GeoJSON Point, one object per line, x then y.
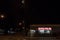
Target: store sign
{"type": "Point", "coordinates": [46, 28]}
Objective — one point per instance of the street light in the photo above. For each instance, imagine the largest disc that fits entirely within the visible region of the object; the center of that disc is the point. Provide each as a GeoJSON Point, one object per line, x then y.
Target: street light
{"type": "Point", "coordinates": [2, 16]}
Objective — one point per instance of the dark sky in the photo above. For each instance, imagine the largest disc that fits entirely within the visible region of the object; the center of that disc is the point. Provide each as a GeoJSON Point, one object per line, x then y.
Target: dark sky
{"type": "Point", "coordinates": [43, 11]}
{"type": "Point", "coordinates": [39, 11]}
{"type": "Point", "coordinates": [39, 15]}
{"type": "Point", "coordinates": [11, 10]}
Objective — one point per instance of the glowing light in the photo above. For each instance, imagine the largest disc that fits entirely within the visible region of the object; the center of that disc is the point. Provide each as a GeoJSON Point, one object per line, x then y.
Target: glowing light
{"type": "Point", "coordinates": [40, 28]}
{"type": "Point", "coordinates": [20, 23]}
{"type": "Point", "coordinates": [2, 16]}
{"type": "Point", "coordinates": [32, 32]}
{"type": "Point", "coordinates": [48, 31]}
{"type": "Point", "coordinates": [23, 1]}
{"type": "Point", "coordinates": [41, 31]}
{"type": "Point", "coordinates": [50, 28]}
{"type": "Point", "coordinates": [11, 31]}
{"type": "Point", "coordinates": [46, 28]}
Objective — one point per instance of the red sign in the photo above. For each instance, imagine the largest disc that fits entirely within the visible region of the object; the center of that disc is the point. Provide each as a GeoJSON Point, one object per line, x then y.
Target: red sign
{"type": "Point", "coordinates": [46, 28]}
{"type": "Point", "coordinates": [40, 28]}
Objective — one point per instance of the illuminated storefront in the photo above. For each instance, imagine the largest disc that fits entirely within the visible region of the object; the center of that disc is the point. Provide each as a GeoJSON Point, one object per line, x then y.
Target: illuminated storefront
{"type": "Point", "coordinates": [45, 29]}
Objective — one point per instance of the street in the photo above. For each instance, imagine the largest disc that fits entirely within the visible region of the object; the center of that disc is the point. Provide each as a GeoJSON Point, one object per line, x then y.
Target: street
{"type": "Point", "coordinates": [20, 37]}
{"type": "Point", "coordinates": [12, 37]}
{"type": "Point", "coordinates": [42, 38]}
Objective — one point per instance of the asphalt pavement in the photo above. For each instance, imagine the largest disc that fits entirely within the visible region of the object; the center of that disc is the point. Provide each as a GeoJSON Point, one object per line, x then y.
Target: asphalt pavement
{"type": "Point", "coordinates": [12, 37]}
{"type": "Point", "coordinates": [41, 38]}
{"type": "Point", "coordinates": [19, 36]}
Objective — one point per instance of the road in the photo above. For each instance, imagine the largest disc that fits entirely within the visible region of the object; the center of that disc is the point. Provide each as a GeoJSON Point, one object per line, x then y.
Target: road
{"type": "Point", "coordinates": [23, 37]}
{"type": "Point", "coordinates": [12, 37]}
{"type": "Point", "coordinates": [15, 37]}
{"type": "Point", "coordinates": [41, 38]}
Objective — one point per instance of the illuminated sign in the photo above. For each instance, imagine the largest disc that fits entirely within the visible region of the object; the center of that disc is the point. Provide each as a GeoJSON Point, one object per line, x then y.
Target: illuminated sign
{"type": "Point", "coordinates": [43, 30]}
{"type": "Point", "coordinates": [46, 28]}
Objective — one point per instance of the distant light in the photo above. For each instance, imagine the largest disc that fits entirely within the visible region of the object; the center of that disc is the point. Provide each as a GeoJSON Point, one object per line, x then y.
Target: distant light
{"type": "Point", "coordinates": [41, 31]}
{"type": "Point", "coordinates": [46, 28]}
{"type": "Point", "coordinates": [2, 16]}
{"type": "Point", "coordinates": [8, 31]}
{"type": "Point", "coordinates": [48, 31]}
{"type": "Point", "coordinates": [11, 32]}
{"type": "Point", "coordinates": [32, 31]}
{"type": "Point", "coordinates": [20, 23]}
{"type": "Point", "coordinates": [50, 28]}
{"type": "Point", "coordinates": [23, 1]}
{"type": "Point", "coordinates": [40, 28]}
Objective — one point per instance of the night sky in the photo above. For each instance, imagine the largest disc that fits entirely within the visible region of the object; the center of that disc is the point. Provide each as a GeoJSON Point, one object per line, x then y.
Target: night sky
{"type": "Point", "coordinates": [38, 11]}
{"type": "Point", "coordinates": [12, 12]}
{"type": "Point", "coordinates": [47, 15]}
{"type": "Point", "coordinates": [43, 11]}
